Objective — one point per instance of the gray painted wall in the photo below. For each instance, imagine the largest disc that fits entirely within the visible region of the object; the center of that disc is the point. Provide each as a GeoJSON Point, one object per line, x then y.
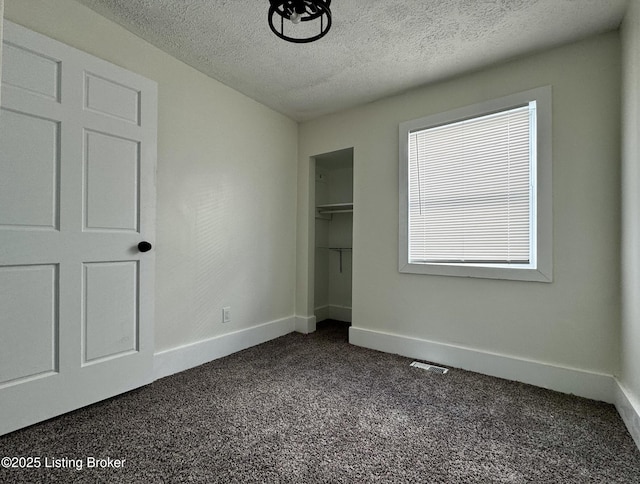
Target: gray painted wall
{"type": "Point", "coordinates": [572, 322]}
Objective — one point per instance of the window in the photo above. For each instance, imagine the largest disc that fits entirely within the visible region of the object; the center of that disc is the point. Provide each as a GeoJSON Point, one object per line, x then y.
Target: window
{"type": "Point", "coordinates": [475, 190]}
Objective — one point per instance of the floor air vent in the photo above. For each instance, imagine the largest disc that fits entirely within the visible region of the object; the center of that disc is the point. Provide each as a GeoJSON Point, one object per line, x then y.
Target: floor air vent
{"type": "Point", "coordinates": [431, 368]}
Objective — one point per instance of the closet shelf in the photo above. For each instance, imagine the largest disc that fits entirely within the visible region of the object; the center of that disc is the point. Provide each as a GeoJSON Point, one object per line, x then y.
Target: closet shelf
{"type": "Point", "coordinates": [328, 208]}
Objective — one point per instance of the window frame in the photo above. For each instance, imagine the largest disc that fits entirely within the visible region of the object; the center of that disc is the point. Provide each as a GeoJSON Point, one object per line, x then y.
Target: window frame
{"type": "Point", "coordinates": [540, 267]}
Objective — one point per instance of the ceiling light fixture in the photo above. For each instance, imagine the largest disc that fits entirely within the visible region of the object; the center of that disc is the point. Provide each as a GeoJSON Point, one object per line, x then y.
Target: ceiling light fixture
{"type": "Point", "coordinates": [298, 11]}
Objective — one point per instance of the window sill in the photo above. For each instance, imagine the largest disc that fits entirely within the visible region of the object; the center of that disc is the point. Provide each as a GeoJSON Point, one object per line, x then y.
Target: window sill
{"type": "Point", "coordinates": [505, 272]}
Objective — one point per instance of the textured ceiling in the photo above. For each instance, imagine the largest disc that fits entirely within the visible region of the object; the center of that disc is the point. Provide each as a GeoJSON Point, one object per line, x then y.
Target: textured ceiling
{"type": "Point", "coordinates": [375, 47]}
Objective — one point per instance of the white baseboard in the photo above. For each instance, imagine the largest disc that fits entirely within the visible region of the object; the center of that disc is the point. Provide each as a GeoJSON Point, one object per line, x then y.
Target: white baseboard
{"type": "Point", "coordinates": [340, 313]}
{"type": "Point", "coordinates": [331, 311]}
{"type": "Point", "coordinates": [321, 313]}
{"type": "Point", "coordinates": [305, 324]}
{"type": "Point", "coordinates": [629, 409]}
{"type": "Point", "coordinates": [182, 358]}
{"type": "Point", "coordinates": [597, 386]}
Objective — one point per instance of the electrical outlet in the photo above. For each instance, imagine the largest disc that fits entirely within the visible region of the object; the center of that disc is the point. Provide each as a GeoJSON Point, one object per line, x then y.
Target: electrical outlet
{"type": "Point", "coordinates": [226, 314]}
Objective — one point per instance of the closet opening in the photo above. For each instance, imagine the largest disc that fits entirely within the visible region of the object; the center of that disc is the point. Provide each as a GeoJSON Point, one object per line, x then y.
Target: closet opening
{"type": "Point", "coordinates": [333, 235]}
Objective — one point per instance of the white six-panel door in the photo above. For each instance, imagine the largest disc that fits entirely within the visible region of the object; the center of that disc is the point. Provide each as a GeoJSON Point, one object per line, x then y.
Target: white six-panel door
{"type": "Point", "coordinates": [77, 196]}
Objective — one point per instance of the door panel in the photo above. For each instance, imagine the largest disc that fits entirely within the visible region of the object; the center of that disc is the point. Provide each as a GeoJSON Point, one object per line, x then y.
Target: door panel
{"type": "Point", "coordinates": [29, 176]}
{"type": "Point", "coordinates": [111, 187]}
{"type": "Point", "coordinates": [77, 194]}
{"type": "Point", "coordinates": [110, 328]}
{"type": "Point", "coordinates": [38, 322]}
{"type": "Point", "coordinates": [105, 96]}
{"type": "Point", "coordinates": [31, 71]}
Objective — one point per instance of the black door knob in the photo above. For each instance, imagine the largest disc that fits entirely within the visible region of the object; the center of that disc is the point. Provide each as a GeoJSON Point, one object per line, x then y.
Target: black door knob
{"type": "Point", "coordinates": [144, 246]}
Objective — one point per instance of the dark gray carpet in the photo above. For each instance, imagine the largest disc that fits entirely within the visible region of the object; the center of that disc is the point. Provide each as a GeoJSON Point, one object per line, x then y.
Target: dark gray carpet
{"type": "Point", "coordinates": [306, 409]}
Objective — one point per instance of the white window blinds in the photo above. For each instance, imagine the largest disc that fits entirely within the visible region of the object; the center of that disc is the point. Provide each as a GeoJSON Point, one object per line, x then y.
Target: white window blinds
{"type": "Point", "coordinates": [470, 190]}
